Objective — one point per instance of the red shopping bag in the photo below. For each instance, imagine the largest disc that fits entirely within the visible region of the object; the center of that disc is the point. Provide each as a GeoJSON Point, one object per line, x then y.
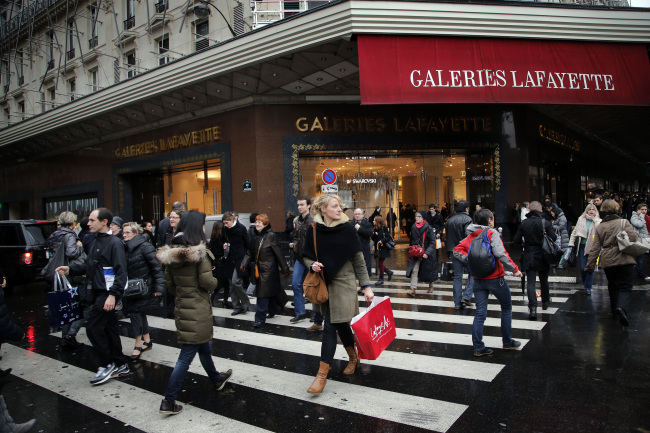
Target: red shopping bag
{"type": "Point", "coordinates": [374, 329]}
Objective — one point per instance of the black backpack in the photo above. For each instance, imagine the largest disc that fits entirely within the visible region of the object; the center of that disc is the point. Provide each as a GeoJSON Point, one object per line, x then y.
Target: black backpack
{"type": "Point", "coordinates": [480, 260]}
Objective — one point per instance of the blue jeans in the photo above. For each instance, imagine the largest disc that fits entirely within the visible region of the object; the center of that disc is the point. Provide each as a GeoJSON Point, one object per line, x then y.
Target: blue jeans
{"type": "Point", "coordinates": [639, 266]}
{"type": "Point", "coordinates": [188, 351]}
{"type": "Point", "coordinates": [264, 305]}
{"type": "Point", "coordinates": [587, 277]}
{"type": "Point", "coordinates": [499, 288]}
{"type": "Point", "coordinates": [458, 283]}
{"type": "Point", "coordinates": [299, 273]}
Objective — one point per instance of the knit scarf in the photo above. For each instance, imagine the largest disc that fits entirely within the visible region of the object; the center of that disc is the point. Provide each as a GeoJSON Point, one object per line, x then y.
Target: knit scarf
{"type": "Point", "coordinates": [420, 225]}
{"type": "Point", "coordinates": [581, 230]}
{"type": "Point", "coordinates": [336, 244]}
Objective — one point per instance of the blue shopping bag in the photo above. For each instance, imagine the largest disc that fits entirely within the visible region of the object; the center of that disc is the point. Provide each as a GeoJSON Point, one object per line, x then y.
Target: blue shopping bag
{"type": "Point", "coordinates": [63, 302]}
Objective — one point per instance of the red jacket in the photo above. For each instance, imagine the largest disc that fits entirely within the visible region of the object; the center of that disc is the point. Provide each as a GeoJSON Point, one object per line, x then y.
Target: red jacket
{"type": "Point", "coordinates": [647, 222]}
{"type": "Point", "coordinates": [503, 260]}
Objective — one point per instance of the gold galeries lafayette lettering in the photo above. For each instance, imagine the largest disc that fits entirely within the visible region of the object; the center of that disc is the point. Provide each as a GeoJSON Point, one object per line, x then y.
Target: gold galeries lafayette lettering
{"type": "Point", "coordinates": [188, 139]}
{"type": "Point", "coordinates": [514, 79]}
{"type": "Point", "coordinates": [371, 124]}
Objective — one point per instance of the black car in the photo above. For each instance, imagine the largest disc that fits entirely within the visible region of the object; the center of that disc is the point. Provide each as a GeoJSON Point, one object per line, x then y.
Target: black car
{"type": "Point", "coordinates": [23, 253]}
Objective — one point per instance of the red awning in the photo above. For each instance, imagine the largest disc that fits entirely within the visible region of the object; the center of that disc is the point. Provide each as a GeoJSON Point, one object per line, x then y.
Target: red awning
{"type": "Point", "coordinates": [419, 70]}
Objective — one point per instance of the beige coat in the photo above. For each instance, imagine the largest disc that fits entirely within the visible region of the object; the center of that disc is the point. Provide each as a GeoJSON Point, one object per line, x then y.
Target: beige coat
{"type": "Point", "coordinates": [343, 298]}
{"type": "Point", "coordinates": [605, 238]}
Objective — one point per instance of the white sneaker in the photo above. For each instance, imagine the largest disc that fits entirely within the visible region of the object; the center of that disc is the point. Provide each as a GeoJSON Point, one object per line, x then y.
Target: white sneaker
{"type": "Point", "coordinates": [103, 374]}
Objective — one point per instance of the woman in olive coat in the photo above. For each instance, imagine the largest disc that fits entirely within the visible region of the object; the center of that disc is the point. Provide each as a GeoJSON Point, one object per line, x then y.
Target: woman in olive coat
{"type": "Point", "coordinates": [264, 251]}
{"type": "Point", "coordinates": [188, 276]}
{"type": "Point", "coordinates": [339, 256]}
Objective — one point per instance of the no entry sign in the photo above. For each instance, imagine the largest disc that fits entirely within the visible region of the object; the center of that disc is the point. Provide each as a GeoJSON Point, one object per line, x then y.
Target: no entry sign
{"type": "Point", "coordinates": [329, 176]}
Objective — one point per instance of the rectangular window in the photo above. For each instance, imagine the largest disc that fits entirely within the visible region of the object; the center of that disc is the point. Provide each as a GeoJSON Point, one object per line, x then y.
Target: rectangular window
{"type": "Point", "coordinates": [50, 50]}
{"type": "Point", "coordinates": [72, 86]}
{"type": "Point", "coordinates": [291, 8]}
{"type": "Point", "coordinates": [202, 30]}
{"type": "Point", "coordinates": [7, 116]}
{"type": "Point", "coordinates": [52, 92]}
{"type": "Point", "coordinates": [21, 109]}
{"type": "Point", "coordinates": [70, 54]}
{"type": "Point", "coordinates": [43, 102]}
{"type": "Point", "coordinates": [130, 65]}
{"type": "Point", "coordinates": [94, 80]}
{"type": "Point", "coordinates": [163, 51]}
{"type": "Point", "coordinates": [161, 6]}
{"type": "Point", "coordinates": [19, 67]}
{"type": "Point", "coordinates": [6, 75]}
{"type": "Point", "coordinates": [93, 41]}
{"type": "Point", "coordinates": [130, 14]}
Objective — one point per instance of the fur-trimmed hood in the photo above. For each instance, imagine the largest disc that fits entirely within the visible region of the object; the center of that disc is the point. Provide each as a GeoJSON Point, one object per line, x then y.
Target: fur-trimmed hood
{"type": "Point", "coordinates": [181, 254]}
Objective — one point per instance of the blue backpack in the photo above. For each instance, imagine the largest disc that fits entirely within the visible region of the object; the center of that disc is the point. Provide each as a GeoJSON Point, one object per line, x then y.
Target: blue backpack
{"type": "Point", "coordinates": [480, 260]}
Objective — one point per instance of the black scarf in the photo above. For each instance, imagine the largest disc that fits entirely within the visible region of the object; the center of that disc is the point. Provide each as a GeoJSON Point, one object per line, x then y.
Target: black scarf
{"type": "Point", "coordinates": [336, 246]}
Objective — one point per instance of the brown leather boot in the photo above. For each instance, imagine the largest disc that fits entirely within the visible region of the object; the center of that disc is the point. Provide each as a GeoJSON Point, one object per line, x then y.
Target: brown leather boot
{"type": "Point", "coordinates": [354, 360]}
{"type": "Point", "coordinates": [321, 379]}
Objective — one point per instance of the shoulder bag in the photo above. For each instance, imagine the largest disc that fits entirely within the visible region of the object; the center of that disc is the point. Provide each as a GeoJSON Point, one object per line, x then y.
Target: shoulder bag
{"type": "Point", "coordinates": [257, 269]}
{"type": "Point", "coordinates": [551, 253]}
{"type": "Point", "coordinates": [135, 289]}
{"type": "Point", "coordinates": [626, 246]}
{"type": "Point", "coordinates": [314, 285]}
{"type": "Point", "coordinates": [417, 251]}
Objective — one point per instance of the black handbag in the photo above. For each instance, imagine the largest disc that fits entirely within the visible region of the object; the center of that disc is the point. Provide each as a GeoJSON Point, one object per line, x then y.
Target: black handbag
{"type": "Point", "coordinates": [135, 289]}
{"type": "Point", "coordinates": [573, 258]}
{"type": "Point", "coordinates": [551, 253]}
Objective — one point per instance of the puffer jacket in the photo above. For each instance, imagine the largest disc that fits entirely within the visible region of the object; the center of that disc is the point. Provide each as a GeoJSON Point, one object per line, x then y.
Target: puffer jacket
{"type": "Point", "coordinates": [141, 262]}
{"type": "Point", "coordinates": [188, 276]}
{"type": "Point", "coordinates": [72, 250]}
{"type": "Point", "coordinates": [560, 226]}
{"type": "Point", "coordinates": [639, 224]}
{"type": "Point", "coordinates": [605, 244]}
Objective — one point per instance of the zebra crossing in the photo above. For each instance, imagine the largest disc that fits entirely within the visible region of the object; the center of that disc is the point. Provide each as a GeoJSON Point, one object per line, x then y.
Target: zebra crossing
{"type": "Point", "coordinates": [408, 386]}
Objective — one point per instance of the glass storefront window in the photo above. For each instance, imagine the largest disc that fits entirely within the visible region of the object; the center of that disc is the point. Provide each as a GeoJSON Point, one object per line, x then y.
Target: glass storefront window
{"type": "Point", "coordinates": [187, 183]}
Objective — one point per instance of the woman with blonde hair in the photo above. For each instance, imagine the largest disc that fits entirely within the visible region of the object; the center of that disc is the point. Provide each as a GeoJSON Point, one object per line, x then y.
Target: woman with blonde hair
{"type": "Point", "coordinates": [583, 233]}
{"type": "Point", "coordinates": [619, 267]}
{"type": "Point", "coordinates": [338, 254]}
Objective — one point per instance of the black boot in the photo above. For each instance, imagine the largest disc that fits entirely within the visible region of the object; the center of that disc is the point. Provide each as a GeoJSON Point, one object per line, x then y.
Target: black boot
{"type": "Point", "coordinates": [379, 282]}
{"type": "Point", "coordinates": [389, 273]}
{"type": "Point", "coordinates": [533, 313]}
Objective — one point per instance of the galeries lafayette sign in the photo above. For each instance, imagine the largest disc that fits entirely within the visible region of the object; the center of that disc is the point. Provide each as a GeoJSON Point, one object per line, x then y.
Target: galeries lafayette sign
{"type": "Point", "coordinates": [407, 70]}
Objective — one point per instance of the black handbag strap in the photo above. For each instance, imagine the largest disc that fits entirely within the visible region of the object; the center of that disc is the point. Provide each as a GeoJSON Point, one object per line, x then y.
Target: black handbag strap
{"type": "Point", "coordinates": [313, 226]}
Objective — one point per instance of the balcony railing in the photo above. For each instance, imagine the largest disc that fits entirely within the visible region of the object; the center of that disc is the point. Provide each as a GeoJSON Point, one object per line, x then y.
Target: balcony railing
{"type": "Point", "coordinates": [92, 43]}
{"type": "Point", "coordinates": [70, 54]}
{"type": "Point", "coordinates": [161, 6]}
{"type": "Point", "coordinates": [129, 23]}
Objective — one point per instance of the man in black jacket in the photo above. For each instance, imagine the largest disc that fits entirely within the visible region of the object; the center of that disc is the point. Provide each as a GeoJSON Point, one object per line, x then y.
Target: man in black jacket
{"type": "Point", "coordinates": [531, 234]}
{"type": "Point", "coordinates": [364, 230]}
{"type": "Point", "coordinates": [437, 223]}
{"type": "Point", "coordinates": [105, 268]}
{"type": "Point", "coordinates": [455, 232]}
{"type": "Point", "coordinates": [237, 238]}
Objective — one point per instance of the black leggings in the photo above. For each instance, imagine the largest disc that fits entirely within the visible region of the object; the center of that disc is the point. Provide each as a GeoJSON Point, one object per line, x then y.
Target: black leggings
{"type": "Point", "coordinates": [329, 338]}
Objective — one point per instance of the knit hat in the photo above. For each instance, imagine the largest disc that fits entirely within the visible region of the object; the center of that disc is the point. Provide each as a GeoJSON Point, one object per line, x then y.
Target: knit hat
{"type": "Point", "coordinates": [423, 214]}
{"type": "Point", "coordinates": [118, 221]}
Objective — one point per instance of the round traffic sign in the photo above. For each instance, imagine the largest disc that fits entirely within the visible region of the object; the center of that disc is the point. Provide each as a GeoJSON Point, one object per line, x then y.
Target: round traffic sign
{"type": "Point", "coordinates": [329, 176]}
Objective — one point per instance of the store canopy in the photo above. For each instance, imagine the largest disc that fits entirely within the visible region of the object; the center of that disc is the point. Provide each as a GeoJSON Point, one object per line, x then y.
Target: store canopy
{"type": "Point", "coordinates": [422, 70]}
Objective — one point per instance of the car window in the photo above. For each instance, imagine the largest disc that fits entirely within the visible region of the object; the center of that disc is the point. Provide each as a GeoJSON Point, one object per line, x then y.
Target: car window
{"type": "Point", "coordinates": [9, 236]}
{"type": "Point", "coordinates": [37, 233]}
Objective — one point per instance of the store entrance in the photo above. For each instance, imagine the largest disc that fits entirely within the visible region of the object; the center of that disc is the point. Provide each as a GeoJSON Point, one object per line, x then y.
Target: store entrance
{"type": "Point", "coordinates": [382, 181]}
{"type": "Point", "coordinates": [197, 185]}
